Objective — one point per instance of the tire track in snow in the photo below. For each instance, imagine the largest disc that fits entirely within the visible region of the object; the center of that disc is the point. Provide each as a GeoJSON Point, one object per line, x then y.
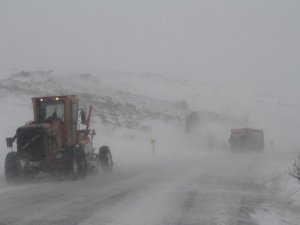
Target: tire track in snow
{"type": "Point", "coordinates": [67, 202]}
{"type": "Point", "coordinates": [216, 201]}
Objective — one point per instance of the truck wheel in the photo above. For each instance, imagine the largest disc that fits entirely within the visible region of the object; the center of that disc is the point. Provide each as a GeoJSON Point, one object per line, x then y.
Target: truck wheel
{"type": "Point", "coordinates": [105, 159]}
{"type": "Point", "coordinates": [79, 165]}
{"type": "Point", "coordinates": [12, 167]}
{"type": "Point", "coordinates": [75, 168]}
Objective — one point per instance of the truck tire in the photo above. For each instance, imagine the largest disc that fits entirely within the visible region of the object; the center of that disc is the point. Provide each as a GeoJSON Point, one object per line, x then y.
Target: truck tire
{"type": "Point", "coordinates": [79, 164]}
{"type": "Point", "coordinates": [12, 167]}
{"type": "Point", "coordinates": [74, 169]}
{"type": "Point", "coordinates": [105, 159]}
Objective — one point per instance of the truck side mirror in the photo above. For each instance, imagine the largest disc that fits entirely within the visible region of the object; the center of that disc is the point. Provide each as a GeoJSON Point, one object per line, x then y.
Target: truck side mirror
{"type": "Point", "coordinates": [9, 142]}
{"type": "Point", "coordinates": [83, 117]}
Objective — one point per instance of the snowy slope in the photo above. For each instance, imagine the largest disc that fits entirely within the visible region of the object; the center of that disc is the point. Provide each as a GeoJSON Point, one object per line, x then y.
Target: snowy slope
{"type": "Point", "coordinates": [141, 106]}
{"type": "Point", "coordinates": [219, 107]}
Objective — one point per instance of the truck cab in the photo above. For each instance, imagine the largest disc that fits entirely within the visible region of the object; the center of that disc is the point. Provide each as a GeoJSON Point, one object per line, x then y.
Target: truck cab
{"type": "Point", "coordinates": [60, 114]}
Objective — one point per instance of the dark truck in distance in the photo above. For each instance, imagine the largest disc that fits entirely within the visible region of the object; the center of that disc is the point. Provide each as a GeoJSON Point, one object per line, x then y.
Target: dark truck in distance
{"type": "Point", "coordinates": [53, 142]}
{"type": "Point", "coordinates": [247, 139]}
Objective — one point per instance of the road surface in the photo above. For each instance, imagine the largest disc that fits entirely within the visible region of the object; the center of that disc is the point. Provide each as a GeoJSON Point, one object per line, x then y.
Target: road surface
{"type": "Point", "coordinates": [228, 189]}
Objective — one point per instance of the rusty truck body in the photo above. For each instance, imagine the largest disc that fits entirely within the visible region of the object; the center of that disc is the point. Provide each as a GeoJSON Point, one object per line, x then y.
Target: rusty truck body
{"type": "Point", "coordinates": [54, 141]}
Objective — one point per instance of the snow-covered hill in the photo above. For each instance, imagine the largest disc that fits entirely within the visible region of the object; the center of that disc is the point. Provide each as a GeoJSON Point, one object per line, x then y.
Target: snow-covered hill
{"type": "Point", "coordinates": [133, 108]}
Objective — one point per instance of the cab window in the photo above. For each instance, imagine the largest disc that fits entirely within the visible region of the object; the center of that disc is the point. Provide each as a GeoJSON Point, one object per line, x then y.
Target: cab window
{"type": "Point", "coordinates": [51, 109]}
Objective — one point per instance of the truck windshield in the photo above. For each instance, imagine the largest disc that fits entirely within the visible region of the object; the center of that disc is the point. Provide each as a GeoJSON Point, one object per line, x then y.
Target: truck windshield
{"type": "Point", "coordinates": [48, 110]}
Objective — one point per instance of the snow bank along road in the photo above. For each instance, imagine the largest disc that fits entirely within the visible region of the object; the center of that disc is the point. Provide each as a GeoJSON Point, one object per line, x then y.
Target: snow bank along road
{"type": "Point", "coordinates": [211, 189]}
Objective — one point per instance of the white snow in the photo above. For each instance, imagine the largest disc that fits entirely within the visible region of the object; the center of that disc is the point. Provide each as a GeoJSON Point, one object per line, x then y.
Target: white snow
{"type": "Point", "coordinates": [139, 107]}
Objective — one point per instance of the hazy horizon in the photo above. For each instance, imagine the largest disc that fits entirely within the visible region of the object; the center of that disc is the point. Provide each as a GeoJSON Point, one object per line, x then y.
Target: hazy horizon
{"type": "Point", "coordinates": [240, 43]}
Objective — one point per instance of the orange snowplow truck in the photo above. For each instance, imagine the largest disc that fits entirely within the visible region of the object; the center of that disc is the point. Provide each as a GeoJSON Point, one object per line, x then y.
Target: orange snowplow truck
{"type": "Point", "coordinates": [52, 142]}
{"type": "Point", "coordinates": [246, 139]}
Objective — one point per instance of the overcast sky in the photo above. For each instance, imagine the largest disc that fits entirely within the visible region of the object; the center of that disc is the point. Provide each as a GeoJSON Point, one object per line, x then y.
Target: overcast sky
{"type": "Point", "coordinates": [236, 41]}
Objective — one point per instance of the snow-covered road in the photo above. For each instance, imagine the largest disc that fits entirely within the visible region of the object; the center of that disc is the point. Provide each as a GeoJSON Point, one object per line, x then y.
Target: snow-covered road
{"type": "Point", "coordinates": [210, 190]}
